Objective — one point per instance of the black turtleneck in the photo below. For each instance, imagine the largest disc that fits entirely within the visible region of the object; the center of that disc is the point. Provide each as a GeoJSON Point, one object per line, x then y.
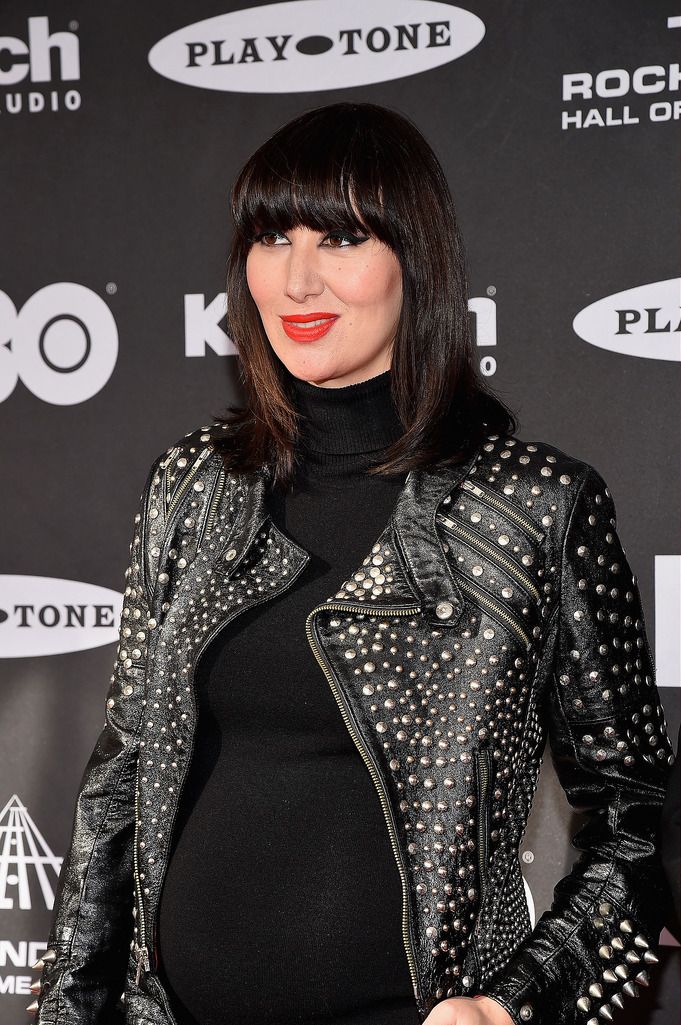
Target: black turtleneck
{"type": "Point", "coordinates": [282, 900]}
{"type": "Point", "coordinates": [344, 429]}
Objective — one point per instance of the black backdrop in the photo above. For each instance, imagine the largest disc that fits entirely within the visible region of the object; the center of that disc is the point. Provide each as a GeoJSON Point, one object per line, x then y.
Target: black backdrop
{"type": "Point", "coordinates": [557, 125]}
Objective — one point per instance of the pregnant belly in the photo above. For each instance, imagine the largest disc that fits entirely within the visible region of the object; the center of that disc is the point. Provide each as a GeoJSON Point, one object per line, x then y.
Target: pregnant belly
{"type": "Point", "coordinates": [282, 900]}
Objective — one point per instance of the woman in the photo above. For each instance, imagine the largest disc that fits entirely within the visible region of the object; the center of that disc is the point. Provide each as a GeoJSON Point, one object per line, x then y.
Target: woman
{"type": "Point", "coordinates": [252, 845]}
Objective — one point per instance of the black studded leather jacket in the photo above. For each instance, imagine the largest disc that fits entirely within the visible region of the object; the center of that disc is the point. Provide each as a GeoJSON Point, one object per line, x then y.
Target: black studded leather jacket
{"type": "Point", "coordinates": [496, 611]}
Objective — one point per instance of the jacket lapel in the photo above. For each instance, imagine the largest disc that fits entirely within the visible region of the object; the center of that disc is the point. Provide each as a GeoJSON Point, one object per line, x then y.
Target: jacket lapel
{"type": "Point", "coordinates": [423, 574]}
{"type": "Point", "coordinates": [419, 572]}
{"type": "Point", "coordinates": [418, 542]}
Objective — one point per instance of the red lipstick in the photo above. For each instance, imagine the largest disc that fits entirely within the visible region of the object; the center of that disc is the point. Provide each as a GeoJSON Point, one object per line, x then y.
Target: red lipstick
{"type": "Point", "coordinates": [318, 324]}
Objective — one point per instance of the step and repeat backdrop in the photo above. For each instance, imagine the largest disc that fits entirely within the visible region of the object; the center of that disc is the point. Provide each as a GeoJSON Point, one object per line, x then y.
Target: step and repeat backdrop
{"type": "Point", "coordinates": [122, 126]}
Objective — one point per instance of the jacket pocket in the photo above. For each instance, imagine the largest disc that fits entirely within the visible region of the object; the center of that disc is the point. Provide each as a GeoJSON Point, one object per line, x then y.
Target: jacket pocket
{"type": "Point", "coordinates": [500, 610]}
{"type": "Point", "coordinates": [496, 609]}
{"type": "Point", "coordinates": [510, 511]}
{"type": "Point", "coordinates": [480, 546]}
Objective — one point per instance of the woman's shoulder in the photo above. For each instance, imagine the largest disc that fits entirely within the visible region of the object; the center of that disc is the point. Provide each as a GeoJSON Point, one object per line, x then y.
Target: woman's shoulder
{"type": "Point", "coordinates": [544, 480]}
{"type": "Point", "coordinates": [186, 487]}
{"type": "Point", "coordinates": [190, 461]}
{"type": "Point", "coordinates": [539, 463]}
{"type": "Point", "coordinates": [192, 452]}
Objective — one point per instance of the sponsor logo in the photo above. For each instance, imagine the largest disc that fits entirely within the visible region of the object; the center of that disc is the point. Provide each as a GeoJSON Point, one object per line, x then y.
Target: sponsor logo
{"type": "Point", "coordinates": [667, 619]}
{"type": "Point", "coordinates": [484, 311]}
{"type": "Point", "coordinates": [44, 58]}
{"type": "Point", "coordinates": [644, 321]}
{"type": "Point", "coordinates": [49, 616]}
{"type": "Point", "coordinates": [29, 871]}
{"type": "Point", "coordinates": [313, 45]}
{"type": "Point", "coordinates": [19, 954]}
{"type": "Point", "coordinates": [203, 330]}
{"type": "Point", "coordinates": [587, 88]}
{"type": "Point", "coordinates": [63, 344]}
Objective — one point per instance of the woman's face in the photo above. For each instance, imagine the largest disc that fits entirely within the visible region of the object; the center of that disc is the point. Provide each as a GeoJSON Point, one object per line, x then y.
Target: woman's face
{"type": "Point", "coordinates": [351, 282]}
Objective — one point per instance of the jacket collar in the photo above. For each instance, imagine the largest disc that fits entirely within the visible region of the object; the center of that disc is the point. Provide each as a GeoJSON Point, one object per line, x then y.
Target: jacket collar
{"type": "Point", "coordinates": [412, 525]}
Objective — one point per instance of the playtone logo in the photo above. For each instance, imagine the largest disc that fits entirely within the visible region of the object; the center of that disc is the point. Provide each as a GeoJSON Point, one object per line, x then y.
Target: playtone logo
{"type": "Point", "coordinates": [313, 45]}
{"type": "Point", "coordinates": [643, 321]}
{"type": "Point", "coordinates": [50, 616]}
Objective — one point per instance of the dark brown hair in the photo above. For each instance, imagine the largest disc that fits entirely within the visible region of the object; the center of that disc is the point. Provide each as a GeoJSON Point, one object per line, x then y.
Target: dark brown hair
{"type": "Point", "coordinates": [316, 171]}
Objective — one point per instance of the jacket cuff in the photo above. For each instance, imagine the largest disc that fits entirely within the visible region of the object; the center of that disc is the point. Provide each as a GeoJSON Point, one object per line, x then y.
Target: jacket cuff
{"type": "Point", "coordinates": [603, 963]}
{"type": "Point", "coordinates": [521, 1005]}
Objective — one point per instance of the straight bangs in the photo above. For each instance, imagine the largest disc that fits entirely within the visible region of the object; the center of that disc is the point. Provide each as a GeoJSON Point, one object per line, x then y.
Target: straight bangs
{"type": "Point", "coordinates": [315, 180]}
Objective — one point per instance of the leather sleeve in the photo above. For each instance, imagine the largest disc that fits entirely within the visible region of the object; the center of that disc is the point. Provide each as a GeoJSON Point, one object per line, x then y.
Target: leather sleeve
{"type": "Point", "coordinates": [594, 948]}
{"type": "Point", "coordinates": [83, 974]}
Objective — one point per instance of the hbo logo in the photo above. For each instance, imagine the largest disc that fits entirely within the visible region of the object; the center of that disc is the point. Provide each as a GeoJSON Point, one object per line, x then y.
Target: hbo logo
{"type": "Point", "coordinates": [62, 344]}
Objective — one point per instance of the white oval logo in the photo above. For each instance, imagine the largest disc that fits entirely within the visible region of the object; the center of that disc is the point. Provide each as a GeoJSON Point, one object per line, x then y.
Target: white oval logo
{"type": "Point", "coordinates": [643, 321]}
{"type": "Point", "coordinates": [313, 45]}
{"type": "Point", "coordinates": [49, 616]}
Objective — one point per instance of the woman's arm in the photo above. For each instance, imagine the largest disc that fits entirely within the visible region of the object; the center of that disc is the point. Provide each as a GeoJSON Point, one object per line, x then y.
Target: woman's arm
{"type": "Point", "coordinates": [593, 949]}
{"type": "Point", "coordinates": [92, 924]}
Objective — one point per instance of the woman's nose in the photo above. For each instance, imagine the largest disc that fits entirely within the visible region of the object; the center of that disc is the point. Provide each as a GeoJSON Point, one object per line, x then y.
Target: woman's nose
{"type": "Point", "coordinates": [303, 277]}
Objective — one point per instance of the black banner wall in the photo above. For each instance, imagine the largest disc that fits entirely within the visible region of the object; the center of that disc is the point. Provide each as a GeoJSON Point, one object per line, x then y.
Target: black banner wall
{"type": "Point", "coordinates": [122, 127]}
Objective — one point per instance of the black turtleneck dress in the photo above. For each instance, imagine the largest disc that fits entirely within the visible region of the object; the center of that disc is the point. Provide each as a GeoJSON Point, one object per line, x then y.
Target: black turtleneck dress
{"type": "Point", "coordinates": [282, 899]}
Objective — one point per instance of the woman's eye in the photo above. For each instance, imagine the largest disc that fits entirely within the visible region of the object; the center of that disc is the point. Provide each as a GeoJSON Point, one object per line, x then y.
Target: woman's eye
{"type": "Point", "coordinates": [347, 237]}
{"type": "Point", "coordinates": [261, 236]}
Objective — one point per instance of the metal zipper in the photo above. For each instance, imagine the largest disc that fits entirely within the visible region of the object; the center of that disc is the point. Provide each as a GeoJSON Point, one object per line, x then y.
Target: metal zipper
{"type": "Point", "coordinates": [369, 761]}
{"type": "Point", "coordinates": [186, 481]}
{"type": "Point", "coordinates": [482, 782]}
{"type": "Point", "coordinates": [479, 543]}
{"type": "Point", "coordinates": [143, 953]}
{"type": "Point", "coordinates": [143, 559]}
{"type": "Point", "coordinates": [493, 606]}
{"type": "Point", "coordinates": [166, 479]}
{"type": "Point", "coordinates": [141, 950]}
{"type": "Point", "coordinates": [509, 510]}
{"type": "Point", "coordinates": [218, 489]}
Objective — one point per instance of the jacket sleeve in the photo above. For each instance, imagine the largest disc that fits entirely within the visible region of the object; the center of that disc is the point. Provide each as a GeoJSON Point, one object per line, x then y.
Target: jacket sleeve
{"type": "Point", "coordinates": [594, 948]}
{"type": "Point", "coordinates": [84, 967]}
{"type": "Point", "coordinates": [670, 846]}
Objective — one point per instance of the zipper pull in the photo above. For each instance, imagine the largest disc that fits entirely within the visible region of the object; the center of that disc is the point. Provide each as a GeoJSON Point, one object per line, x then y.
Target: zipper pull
{"type": "Point", "coordinates": [468, 485]}
{"type": "Point", "coordinates": [142, 955]}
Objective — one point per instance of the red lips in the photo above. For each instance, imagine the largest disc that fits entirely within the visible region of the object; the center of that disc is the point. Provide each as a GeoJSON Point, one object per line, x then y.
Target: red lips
{"type": "Point", "coordinates": [304, 318]}
{"type": "Point", "coordinates": [293, 325]}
